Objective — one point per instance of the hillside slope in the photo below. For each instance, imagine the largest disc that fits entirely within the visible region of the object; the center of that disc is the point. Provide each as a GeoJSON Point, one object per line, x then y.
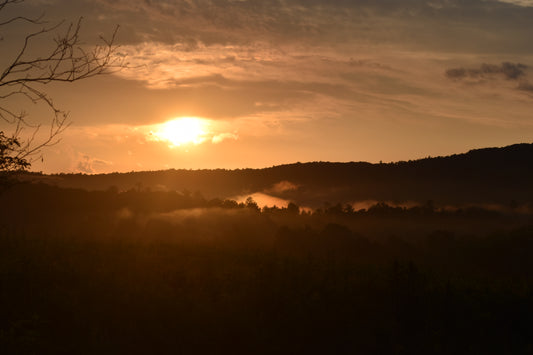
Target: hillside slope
{"type": "Point", "coordinates": [490, 175]}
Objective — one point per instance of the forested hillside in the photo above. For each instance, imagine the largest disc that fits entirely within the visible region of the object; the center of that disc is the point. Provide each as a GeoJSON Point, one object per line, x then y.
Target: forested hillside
{"type": "Point", "coordinates": [141, 269]}
{"type": "Point", "coordinates": [492, 175]}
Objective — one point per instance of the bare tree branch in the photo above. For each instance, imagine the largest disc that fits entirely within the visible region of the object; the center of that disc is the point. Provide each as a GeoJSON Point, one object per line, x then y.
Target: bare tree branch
{"type": "Point", "coordinates": [67, 60]}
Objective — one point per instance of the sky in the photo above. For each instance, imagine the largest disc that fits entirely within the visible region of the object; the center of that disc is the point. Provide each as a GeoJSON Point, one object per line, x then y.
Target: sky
{"type": "Point", "coordinates": [257, 83]}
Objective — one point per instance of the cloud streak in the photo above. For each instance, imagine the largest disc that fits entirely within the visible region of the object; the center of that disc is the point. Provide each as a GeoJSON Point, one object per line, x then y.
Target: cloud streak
{"type": "Point", "coordinates": [524, 3]}
{"type": "Point", "coordinates": [226, 22]}
{"type": "Point", "coordinates": [89, 165]}
{"type": "Point", "coordinates": [509, 71]}
{"type": "Point", "coordinates": [219, 138]}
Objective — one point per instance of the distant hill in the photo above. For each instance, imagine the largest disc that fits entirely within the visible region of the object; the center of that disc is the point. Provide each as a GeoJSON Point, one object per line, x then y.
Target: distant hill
{"type": "Point", "coordinates": [490, 175]}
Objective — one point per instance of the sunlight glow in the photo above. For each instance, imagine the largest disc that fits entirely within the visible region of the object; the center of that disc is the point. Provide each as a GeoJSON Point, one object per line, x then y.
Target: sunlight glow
{"type": "Point", "coordinates": [182, 131]}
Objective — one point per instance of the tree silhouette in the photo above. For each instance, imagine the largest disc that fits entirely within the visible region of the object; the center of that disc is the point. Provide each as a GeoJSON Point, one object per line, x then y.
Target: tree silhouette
{"type": "Point", "coordinates": [8, 162]}
{"type": "Point", "coordinates": [23, 77]}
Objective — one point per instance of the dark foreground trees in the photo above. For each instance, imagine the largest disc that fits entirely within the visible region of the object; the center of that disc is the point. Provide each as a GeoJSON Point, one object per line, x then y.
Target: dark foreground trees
{"type": "Point", "coordinates": [118, 294]}
{"type": "Point", "coordinates": [142, 272]}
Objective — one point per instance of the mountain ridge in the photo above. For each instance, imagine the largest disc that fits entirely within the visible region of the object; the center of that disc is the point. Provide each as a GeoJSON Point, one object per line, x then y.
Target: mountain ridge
{"type": "Point", "coordinates": [479, 175]}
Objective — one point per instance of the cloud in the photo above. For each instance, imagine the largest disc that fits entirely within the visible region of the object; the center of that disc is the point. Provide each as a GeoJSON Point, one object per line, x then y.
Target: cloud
{"type": "Point", "coordinates": [440, 24]}
{"type": "Point", "coordinates": [319, 59]}
{"type": "Point", "coordinates": [524, 3]}
{"type": "Point", "coordinates": [281, 187]}
{"type": "Point", "coordinates": [223, 136]}
{"type": "Point", "coordinates": [512, 71]}
{"type": "Point", "coordinates": [89, 165]}
{"type": "Point", "coordinates": [316, 58]}
{"type": "Point", "coordinates": [525, 85]}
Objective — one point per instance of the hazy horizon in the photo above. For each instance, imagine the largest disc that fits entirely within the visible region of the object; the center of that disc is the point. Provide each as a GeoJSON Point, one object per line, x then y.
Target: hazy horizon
{"type": "Point", "coordinates": [259, 167]}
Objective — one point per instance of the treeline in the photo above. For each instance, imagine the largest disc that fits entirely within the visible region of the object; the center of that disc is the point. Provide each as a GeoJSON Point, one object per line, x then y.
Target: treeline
{"type": "Point", "coordinates": [40, 198]}
{"type": "Point", "coordinates": [492, 175]}
{"type": "Point", "coordinates": [30, 206]}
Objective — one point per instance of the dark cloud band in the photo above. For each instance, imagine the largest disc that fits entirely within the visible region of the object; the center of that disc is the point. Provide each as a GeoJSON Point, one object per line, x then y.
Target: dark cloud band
{"type": "Point", "coordinates": [512, 71]}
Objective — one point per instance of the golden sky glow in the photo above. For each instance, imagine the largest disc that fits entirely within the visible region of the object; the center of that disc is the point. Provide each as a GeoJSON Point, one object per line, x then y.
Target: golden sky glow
{"type": "Point", "coordinates": [258, 83]}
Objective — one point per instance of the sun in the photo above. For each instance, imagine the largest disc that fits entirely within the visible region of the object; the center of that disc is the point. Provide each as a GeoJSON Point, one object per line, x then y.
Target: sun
{"type": "Point", "coordinates": [182, 131]}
